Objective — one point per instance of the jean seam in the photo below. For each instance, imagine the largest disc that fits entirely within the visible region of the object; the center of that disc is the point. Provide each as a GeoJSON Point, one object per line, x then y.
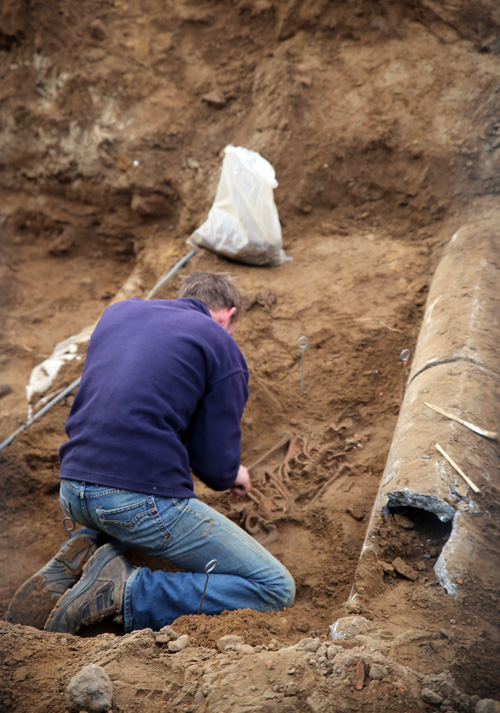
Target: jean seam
{"type": "Point", "coordinates": [83, 505]}
{"type": "Point", "coordinates": [83, 487]}
{"type": "Point", "coordinates": [111, 491]}
{"type": "Point", "coordinates": [229, 531]}
{"type": "Point", "coordinates": [242, 539]}
{"type": "Point", "coordinates": [128, 621]}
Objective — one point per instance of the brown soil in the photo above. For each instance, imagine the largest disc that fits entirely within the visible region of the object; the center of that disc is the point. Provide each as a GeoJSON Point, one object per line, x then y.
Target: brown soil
{"type": "Point", "coordinates": [381, 121]}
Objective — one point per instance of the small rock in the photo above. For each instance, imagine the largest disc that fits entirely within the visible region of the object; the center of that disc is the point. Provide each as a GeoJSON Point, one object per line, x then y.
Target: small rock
{"type": "Point", "coordinates": [167, 630]}
{"type": "Point", "coordinates": [353, 605]}
{"type": "Point", "coordinates": [348, 627]}
{"type": "Point", "coordinates": [214, 99]}
{"type": "Point", "coordinates": [445, 634]}
{"type": "Point", "coordinates": [377, 671]}
{"type": "Point", "coordinates": [404, 569]}
{"type": "Point", "coordinates": [333, 650]}
{"type": "Point", "coordinates": [231, 640]}
{"type": "Point", "coordinates": [90, 690]}
{"type": "Point", "coordinates": [178, 644]}
{"type": "Point", "coordinates": [356, 512]}
{"type": "Point", "coordinates": [429, 696]}
{"type": "Point", "coordinates": [165, 635]}
{"type": "Point", "coordinates": [487, 705]}
{"type": "Point", "coordinates": [309, 644]}
{"type": "Point", "coordinates": [61, 244]}
{"type": "Point", "coordinates": [137, 639]}
{"type": "Point", "coordinates": [244, 648]}
{"type": "Point", "coordinates": [154, 205]}
{"type": "Point", "coordinates": [386, 567]}
{"type": "Point", "coordinates": [97, 30]}
{"type": "Point", "coordinates": [437, 646]}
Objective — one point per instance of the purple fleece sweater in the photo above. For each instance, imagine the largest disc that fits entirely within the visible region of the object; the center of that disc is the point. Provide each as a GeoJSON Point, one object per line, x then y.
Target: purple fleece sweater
{"type": "Point", "coordinates": [162, 391]}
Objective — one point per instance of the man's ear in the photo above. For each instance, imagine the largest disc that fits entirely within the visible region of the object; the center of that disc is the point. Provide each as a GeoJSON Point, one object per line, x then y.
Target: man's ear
{"type": "Point", "coordinates": [223, 316]}
{"type": "Point", "coordinates": [227, 322]}
{"type": "Point", "coordinates": [229, 315]}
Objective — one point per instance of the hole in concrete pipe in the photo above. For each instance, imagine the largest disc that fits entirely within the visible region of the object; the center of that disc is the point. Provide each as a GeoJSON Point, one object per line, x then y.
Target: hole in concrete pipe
{"type": "Point", "coordinates": [425, 522]}
{"type": "Point", "coordinates": [415, 535]}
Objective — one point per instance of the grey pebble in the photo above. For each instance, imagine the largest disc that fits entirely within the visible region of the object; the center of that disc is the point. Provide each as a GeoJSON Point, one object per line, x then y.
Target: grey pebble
{"type": "Point", "coordinates": [178, 644]}
{"type": "Point", "coordinates": [90, 690]}
{"type": "Point", "coordinates": [487, 705]}
{"type": "Point", "coordinates": [377, 671]}
{"type": "Point", "coordinates": [429, 696]}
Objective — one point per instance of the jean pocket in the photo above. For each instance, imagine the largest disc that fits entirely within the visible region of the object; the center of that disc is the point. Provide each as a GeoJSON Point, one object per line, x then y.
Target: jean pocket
{"type": "Point", "coordinates": [138, 523]}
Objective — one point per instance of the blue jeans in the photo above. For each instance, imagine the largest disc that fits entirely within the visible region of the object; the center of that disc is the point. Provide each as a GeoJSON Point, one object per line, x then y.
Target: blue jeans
{"type": "Point", "coordinates": [189, 534]}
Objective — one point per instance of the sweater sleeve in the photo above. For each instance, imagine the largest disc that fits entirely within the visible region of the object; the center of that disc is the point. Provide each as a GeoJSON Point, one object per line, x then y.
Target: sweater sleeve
{"type": "Point", "coordinates": [214, 442]}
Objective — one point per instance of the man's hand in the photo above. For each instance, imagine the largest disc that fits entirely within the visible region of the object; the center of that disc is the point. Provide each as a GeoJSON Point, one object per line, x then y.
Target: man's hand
{"type": "Point", "coordinates": [241, 485]}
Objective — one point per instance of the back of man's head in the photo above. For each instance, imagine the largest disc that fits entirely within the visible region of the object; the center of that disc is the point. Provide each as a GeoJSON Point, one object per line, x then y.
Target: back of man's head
{"type": "Point", "coordinates": [214, 289]}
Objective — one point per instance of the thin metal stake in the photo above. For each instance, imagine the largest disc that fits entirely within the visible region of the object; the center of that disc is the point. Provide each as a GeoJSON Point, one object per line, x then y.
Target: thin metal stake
{"type": "Point", "coordinates": [209, 567]}
{"type": "Point", "coordinates": [404, 356]}
{"type": "Point", "coordinates": [302, 343]}
{"type": "Point", "coordinates": [69, 525]}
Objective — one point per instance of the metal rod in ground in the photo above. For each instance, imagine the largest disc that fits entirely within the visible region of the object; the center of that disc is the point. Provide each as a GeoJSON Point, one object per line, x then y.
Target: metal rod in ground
{"type": "Point", "coordinates": [404, 356]}
{"type": "Point", "coordinates": [169, 274]}
{"type": "Point", "coordinates": [209, 567]}
{"type": "Point", "coordinates": [42, 411]}
{"type": "Point", "coordinates": [302, 343]}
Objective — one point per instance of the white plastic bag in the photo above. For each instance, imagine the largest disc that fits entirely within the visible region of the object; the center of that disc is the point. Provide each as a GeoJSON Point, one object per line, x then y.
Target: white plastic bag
{"type": "Point", "coordinates": [243, 222]}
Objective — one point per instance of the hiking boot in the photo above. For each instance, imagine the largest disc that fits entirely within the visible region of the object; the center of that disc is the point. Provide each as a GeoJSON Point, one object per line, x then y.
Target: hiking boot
{"type": "Point", "coordinates": [97, 595]}
{"type": "Point", "coordinates": [35, 599]}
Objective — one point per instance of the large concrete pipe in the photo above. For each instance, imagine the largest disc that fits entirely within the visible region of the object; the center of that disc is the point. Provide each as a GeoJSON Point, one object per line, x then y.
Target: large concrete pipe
{"type": "Point", "coordinates": [457, 368]}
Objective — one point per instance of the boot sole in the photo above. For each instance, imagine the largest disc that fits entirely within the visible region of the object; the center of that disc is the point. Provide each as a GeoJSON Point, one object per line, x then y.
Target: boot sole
{"type": "Point", "coordinates": [57, 621]}
{"type": "Point", "coordinates": [34, 600]}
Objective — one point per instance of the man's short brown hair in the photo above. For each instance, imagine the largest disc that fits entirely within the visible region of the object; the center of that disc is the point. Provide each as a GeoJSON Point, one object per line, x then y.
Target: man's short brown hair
{"type": "Point", "coordinates": [214, 289]}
